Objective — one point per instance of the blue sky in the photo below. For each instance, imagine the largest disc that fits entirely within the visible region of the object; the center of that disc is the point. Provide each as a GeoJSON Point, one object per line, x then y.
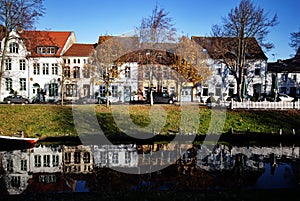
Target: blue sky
{"type": "Point", "coordinates": [91, 18]}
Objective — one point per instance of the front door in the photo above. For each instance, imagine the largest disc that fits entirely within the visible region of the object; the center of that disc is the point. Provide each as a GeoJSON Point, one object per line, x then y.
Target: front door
{"type": "Point", "coordinates": [127, 92]}
{"type": "Point", "coordinates": [186, 94]}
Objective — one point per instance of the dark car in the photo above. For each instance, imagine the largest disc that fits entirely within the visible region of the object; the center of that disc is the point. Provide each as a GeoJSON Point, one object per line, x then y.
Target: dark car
{"type": "Point", "coordinates": [88, 100]}
{"type": "Point", "coordinates": [161, 97]}
{"type": "Point", "coordinates": [15, 99]}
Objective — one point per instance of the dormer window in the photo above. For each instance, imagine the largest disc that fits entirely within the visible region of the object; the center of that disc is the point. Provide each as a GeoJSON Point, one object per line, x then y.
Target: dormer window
{"type": "Point", "coordinates": [46, 50]}
{"type": "Point", "coordinates": [13, 47]}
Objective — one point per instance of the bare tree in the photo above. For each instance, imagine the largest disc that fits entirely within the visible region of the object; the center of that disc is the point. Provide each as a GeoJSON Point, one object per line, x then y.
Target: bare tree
{"type": "Point", "coordinates": [154, 32]}
{"type": "Point", "coordinates": [105, 60]}
{"type": "Point", "coordinates": [17, 14]}
{"type": "Point", "coordinates": [244, 22]}
{"type": "Point", "coordinates": [295, 40]}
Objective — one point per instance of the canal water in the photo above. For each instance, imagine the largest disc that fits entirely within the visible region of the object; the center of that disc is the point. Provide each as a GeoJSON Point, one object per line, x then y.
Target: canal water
{"type": "Point", "coordinates": [51, 168]}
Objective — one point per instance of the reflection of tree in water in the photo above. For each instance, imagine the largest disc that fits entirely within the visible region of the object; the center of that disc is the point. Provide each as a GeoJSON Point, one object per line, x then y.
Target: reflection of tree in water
{"type": "Point", "coordinates": [240, 175]}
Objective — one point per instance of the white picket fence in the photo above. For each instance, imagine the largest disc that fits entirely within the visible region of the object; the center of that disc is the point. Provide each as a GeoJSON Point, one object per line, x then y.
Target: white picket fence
{"type": "Point", "coordinates": [265, 105]}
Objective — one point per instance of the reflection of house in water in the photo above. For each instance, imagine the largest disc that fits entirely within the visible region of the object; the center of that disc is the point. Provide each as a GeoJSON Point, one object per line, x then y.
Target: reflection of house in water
{"type": "Point", "coordinates": [46, 159]}
{"type": "Point", "coordinates": [115, 155]}
{"type": "Point", "coordinates": [77, 159]}
{"type": "Point", "coordinates": [15, 165]}
{"type": "Point", "coordinates": [45, 182]}
{"type": "Point", "coordinates": [160, 155]}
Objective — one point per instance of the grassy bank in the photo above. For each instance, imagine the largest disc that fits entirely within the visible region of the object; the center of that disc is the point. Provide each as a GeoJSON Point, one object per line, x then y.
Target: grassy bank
{"type": "Point", "coordinates": [54, 120]}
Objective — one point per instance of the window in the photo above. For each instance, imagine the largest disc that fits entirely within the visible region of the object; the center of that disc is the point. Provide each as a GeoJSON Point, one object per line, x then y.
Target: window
{"type": "Point", "coordinates": [45, 69]}
{"type": "Point", "coordinates": [76, 73]}
{"type": "Point", "coordinates": [257, 71]}
{"type": "Point", "coordinates": [16, 181]}
{"type": "Point", "coordinates": [127, 72]}
{"type": "Point", "coordinates": [36, 69]}
{"type": "Point", "coordinates": [22, 64]}
{"type": "Point", "coordinates": [71, 90]}
{"type": "Point", "coordinates": [102, 72]}
{"type": "Point", "coordinates": [53, 89]}
{"type": "Point", "coordinates": [284, 77]}
{"type": "Point", "coordinates": [46, 50]}
{"type": "Point", "coordinates": [86, 157]}
{"type": "Point", "coordinates": [146, 90]}
{"type": "Point", "coordinates": [165, 89]}
{"type": "Point", "coordinates": [13, 47]}
{"type": "Point", "coordinates": [77, 157]}
{"type": "Point", "coordinates": [172, 90]}
{"type": "Point", "coordinates": [127, 157]}
{"type": "Point", "coordinates": [102, 90]}
{"type": "Point", "coordinates": [23, 164]}
{"type": "Point", "coordinates": [74, 61]}
{"type": "Point", "coordinates": [9, 165]}
{"type": "Point", "coordinates": [103, 157]}
{"type": "Point", "coordinates": [46, 160]}
{"type": "Point", "coordinates": [7, 64]}
{"type": "Point", "coordinates": [86, 90]}
{"type": "Point", "coordinates": [205, 91]}
{"type": "Point", "coordinates": [295, 77]}
{"type": "Point", "coordinates": [218, 90]}
{"type": "Point", "coordinates": [47, 178]}
{"type": "Point", "coordinates": [114, 91]}
{"type": "Point", "coordinates": [67, 72]}
{"type": "Point", "coordinates": [22, 84]}
{"type": "Point", "coordinates": [86, 73]}
{"type": "Point", "coordinates": [55, 160]}
{"type": "Point", "coordinates": [37, 161]}
{"type": "Point", "coordinates": [8, 84]}
{"type": "Point", "coordinates": [67, 158]}
{"type": "Point", "coordinates": [115, 158]}
{"type": "Point", "coordinates": [54, 69]}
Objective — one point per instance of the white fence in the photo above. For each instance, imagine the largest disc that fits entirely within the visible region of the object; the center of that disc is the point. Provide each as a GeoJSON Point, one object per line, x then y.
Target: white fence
{"type": "Point", "coordinates": [265, 105]}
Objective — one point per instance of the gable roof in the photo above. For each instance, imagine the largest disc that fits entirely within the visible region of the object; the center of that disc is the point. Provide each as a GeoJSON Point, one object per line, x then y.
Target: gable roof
{"type": "Point", "coordinates": [220, 47]}
{"type": "Point", "coordinates": [80, 50]}
{"type": "Point", "coordinates": [34, 39]}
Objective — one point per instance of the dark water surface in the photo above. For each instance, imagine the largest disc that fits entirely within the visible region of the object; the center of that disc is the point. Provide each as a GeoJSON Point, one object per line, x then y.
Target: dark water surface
{"type": "Point", "coordinates": [148, 167]}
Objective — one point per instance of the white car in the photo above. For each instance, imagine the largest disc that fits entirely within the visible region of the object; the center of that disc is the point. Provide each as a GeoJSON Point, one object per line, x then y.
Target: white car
{"type": "Point", "coordinates": [285, 98]}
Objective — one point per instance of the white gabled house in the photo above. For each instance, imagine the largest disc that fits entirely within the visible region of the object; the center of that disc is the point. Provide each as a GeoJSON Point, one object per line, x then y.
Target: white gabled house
{"type": "Point", "coordinates": [33, 64]}
{"type": "Point", "coordinates": [15, 69]}
{"type": "Point", "coordinates": [223, 83]}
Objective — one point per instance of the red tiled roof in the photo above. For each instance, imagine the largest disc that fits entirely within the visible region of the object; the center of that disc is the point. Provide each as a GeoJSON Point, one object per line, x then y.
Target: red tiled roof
{"type": "Point", "coordinates": [34, 39]}
{"type": "Point", "coordinates": [81, 50]}
{"type": "Point", "coordinates": [218, 47]}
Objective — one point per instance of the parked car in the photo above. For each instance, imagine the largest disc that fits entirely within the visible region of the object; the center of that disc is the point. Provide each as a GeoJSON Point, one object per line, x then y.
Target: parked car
{"type": "Point", "coordinates": [284, 98]}
{"type": "Point", "coordinates": [15, 99]}
{"type": "Point", "coordinates": [161, 97]}
{"type": "Point", "coordinates": [87, 100]}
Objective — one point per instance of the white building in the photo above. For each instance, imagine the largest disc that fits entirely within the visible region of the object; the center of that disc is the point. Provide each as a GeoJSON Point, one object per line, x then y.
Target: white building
{"type": "Point", "coordinates": [16, 165]}
{"type": "Point", "coordinates": [33, 63]}
{"type": "Point", "coordinates": [115, 155]}
{"type": "Point", "coordinates": [46, 159]}
{"type": "Point", "coordinates": [223, 83]}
